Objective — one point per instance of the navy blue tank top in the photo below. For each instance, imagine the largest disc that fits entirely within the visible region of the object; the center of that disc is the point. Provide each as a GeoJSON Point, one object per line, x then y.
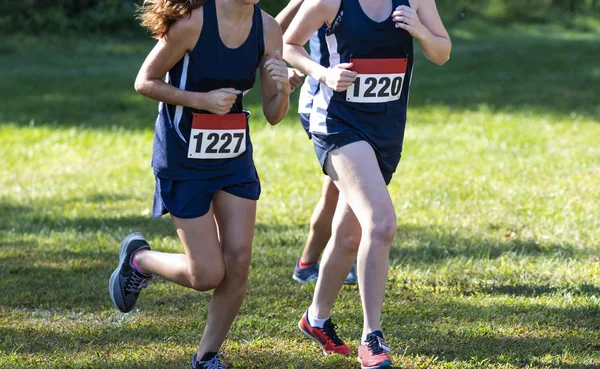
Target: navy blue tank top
{"type": "Point", "coordinates": [209, 66]}
{"type": "Point", "coordinates": [375, 106]}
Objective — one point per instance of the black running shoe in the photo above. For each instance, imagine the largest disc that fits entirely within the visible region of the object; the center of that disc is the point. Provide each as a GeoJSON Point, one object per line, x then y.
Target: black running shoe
{"type": "Point", "coordinates": [209, 361]}
{"type": "Point", "coordinates": [126, 282]}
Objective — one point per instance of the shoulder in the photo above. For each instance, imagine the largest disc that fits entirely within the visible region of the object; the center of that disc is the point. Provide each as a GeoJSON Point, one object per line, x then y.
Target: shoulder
{"type": "Point", "coordinates": [270, 25]}
{"type": "Point", "coordinates": [187, 30]}
{"type": "Point", "coordinates": [323, 5]}
{"type": "Point", "coordinates": [418, 4]}
{"type": "Point", "coordinates": [272, 33]}
{"type": "Point", "coordinates": [325, 10]}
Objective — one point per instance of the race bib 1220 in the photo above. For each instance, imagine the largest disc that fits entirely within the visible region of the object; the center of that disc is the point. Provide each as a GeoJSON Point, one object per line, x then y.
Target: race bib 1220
{"type": "Point", "coordinates": [378, 80]}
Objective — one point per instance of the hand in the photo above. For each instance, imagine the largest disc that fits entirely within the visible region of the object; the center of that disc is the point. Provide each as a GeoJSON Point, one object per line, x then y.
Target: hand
{"type": "Point", "coordinates": [339, 78]}
{"type": "Point", "coordinates": [220, 101]}
{"type": "Point", "coordinates": [295, 77]}
{"type": "Point", "coordinates": [279, 72]}
{"type": "Point", "coordinates": [408, 19]}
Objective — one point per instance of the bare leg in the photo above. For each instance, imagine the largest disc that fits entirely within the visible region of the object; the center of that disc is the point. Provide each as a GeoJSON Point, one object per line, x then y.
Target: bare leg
{"type": "Point", "coordinates": [201, 267]}
{"type": "Point", "coordinates": [220, 261]}
{"type": "Point", "coordinates": [354, 170]}
{"type": "Point", "coordinates": [320, 223]}
{"type": "Point", "coordinates": [337, 259]}
{"type": "Point", "coordinates": [236, 218]}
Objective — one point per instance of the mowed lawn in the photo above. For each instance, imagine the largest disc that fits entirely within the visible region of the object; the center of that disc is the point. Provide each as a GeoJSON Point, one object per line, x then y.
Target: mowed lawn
{"type": "Point", "coordinates": [496, 262]}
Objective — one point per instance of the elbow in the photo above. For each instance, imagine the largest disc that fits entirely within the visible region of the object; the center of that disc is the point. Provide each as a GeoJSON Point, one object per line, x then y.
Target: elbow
{"type": "Point", "coordinates": [274, 120]}
{"type": "Point", "coordinates": [139, 86]}
{"type": "Point", "coordinates": [276, 117]}
{"type": "Point", "coordinates": [446, 55]}
{"type": "Point", "coordinates": [443, 60]}
{"type": "Point", "coordinates": [286, 51]}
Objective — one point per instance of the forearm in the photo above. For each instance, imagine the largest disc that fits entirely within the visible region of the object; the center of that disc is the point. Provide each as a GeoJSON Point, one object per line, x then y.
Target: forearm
{"type": "Point", "coordinates": [276, 108]}
{"type": "Point", "coordinates": [297, 56]}
{"type": "Point", "coordinates": [436, 48]}
{"type": "Point", "coordinates": [159, 90]}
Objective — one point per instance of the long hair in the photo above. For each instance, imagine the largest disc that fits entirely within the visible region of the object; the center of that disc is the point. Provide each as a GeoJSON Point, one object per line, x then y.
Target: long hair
{"type": "Point", "coordinates": [158, 15]}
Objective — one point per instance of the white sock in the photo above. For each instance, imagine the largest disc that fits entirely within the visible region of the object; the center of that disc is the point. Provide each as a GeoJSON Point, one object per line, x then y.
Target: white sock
{"type": "Point", "coordinates": [314, 322]}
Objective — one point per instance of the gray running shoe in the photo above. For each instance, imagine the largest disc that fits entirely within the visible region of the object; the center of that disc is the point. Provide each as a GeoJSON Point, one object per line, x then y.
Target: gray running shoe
{"type": "Point", "coordinates": [126, 282]}
{"type": "Point", "coordinates": [351, 278]}
{"type": "Point", "coordinates": [305, 275]}
{"type": "Point", "coordinates": [213, 363]}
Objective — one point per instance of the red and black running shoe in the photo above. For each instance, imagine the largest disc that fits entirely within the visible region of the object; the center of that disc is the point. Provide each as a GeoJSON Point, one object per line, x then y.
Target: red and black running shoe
{"type": "Point", "coordinates": [326, 336]}
{"type": "Point", "coordinates": [373, 353]}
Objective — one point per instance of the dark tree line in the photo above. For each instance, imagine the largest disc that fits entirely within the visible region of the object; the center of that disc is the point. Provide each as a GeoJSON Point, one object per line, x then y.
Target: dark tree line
{"type": "Point", "coordinates": [118, 15]}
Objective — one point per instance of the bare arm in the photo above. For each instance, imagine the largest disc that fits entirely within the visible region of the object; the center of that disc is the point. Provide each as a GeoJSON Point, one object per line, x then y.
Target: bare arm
{"type": "Point", "coordinates": [274, 84]}
{"type": "Point", "coordinates": [180, 39]}
{"type": "Point", "coordinates": [285, 16]}
{"type": "Point", "coordinates": [423, 22]}
{"type": "Point", "coordinates": [311, 16]}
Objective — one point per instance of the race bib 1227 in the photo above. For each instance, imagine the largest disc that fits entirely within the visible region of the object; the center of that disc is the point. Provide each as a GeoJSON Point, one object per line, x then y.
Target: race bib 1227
{"type": "Point", "coordinates": [378, 80]}
{"type": "Point", "coordinates": [217, 136]}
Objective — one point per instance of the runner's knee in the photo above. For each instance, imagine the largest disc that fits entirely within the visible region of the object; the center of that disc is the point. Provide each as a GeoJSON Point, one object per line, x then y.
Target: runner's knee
{"type": "Point", "coordinates": [206, 277]}
{"type": "Point", "coordinates": [383, 230]}
{"type": "Point", "coordinates": [238, 264]}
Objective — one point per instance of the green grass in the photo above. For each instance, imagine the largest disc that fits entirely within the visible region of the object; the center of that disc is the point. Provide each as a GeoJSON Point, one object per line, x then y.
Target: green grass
{"type": "Point", "coordinates": [495, 264]}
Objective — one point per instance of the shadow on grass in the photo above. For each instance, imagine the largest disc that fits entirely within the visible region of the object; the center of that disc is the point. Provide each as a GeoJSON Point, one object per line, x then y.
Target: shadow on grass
{"type": "Point", "coordinates": [541, 73]}
{"type": "Point", "coordinates": [505, 333]}
{"type": "Point", "coordinates": [71, 255]}
{"type": "Point", "coordinates": [431, 245]}
{"type": "Point", "coordinates": [532, 291]}
{"type": "Point", "coordinates": [514, 333]}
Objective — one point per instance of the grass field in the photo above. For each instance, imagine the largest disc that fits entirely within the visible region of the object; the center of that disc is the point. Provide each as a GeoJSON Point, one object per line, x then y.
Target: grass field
{"type": "Point", "coordinates": [496, 261]}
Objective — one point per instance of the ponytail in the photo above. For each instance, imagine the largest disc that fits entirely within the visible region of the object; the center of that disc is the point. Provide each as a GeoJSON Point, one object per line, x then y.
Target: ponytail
{"type": "Point", "coordinates": [158, 15]}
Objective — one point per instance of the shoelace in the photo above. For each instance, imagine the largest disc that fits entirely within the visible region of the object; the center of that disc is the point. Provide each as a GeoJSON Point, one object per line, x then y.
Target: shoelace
{"type": "Point", "coordinates": [214, 363]}
{"type": "Point", "coordinates": [329, 329]}
{"type": "Point", "coordinates": [136, 283]}
{"type": "Point", "coordinates": [377, 344]}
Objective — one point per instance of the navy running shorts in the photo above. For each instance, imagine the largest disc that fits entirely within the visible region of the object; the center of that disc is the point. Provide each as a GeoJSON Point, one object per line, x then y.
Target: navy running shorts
{"type": "Point", "coordinates": [324, 143]}
{"type": "Point", "coordinates": [192, 198]}
{"type": "Point", "coordinates": [305, 120]}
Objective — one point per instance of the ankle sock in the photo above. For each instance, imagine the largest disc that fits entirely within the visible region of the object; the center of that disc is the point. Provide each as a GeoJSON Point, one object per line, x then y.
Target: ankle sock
{"type": "Point", "coordinates": [314, 322]}
{"type": "Point", "coordinates": [302, 265]}
{"type": "Point", "coordinates": [134, 264]}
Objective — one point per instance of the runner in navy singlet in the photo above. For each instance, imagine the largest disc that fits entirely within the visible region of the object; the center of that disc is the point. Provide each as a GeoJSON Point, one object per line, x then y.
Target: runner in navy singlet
{"type": "Point", "coordinates": [357, 124]}
{"type": "Point", "coordinates": [205, 60]}
{"type": "Point", "coordinates": [307, 266]}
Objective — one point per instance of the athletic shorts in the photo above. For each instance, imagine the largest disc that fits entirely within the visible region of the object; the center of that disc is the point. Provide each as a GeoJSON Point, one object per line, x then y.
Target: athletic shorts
{"type": "Point", "coordinates": [324, 143]}
{"type": "Point", "coordinates": [305, 120]}
{"type": "Point", "coordinates": [192, 198]}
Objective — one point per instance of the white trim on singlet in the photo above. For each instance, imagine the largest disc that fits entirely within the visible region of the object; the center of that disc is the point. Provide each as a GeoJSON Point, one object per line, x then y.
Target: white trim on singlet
{"type": "Point", "coordinates": [179, 108]}
{"type": "Point", "coordinates": [323, 97]}
{"type": "Point", "coordinates": [412, 70]}
{"type": "Point", "coordinates": [310, 86]}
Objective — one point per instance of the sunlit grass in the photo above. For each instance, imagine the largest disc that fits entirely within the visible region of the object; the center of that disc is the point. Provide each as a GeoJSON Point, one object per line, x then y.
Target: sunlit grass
{"type": "Point", "coordinates": [495, 263]}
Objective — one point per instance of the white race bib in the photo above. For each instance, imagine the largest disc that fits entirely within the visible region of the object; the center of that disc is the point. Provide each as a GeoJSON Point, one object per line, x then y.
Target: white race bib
{"type": "Point", "coordinates": [217, 136]}
{"type": "Point", "coordinates": [378, 80]}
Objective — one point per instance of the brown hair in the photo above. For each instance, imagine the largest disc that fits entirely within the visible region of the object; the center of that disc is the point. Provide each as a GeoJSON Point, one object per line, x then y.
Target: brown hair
{"type": "Point", "coordinates": [158, 15]}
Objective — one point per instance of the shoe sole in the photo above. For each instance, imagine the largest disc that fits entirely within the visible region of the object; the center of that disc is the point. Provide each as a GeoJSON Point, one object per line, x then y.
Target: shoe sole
{"type": "Point", "coordinates": [303, 281]}
{"type": "Point", "coordinates": [307, 334]}
{"type": "Point", "coordinates": [114, 277]}
{"type": "Point", "coordinates": [385, 365]}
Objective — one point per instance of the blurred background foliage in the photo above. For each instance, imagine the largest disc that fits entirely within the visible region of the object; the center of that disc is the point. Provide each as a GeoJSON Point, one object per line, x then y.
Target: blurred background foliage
{"type": "Point", "coordinates": [114, 16]}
